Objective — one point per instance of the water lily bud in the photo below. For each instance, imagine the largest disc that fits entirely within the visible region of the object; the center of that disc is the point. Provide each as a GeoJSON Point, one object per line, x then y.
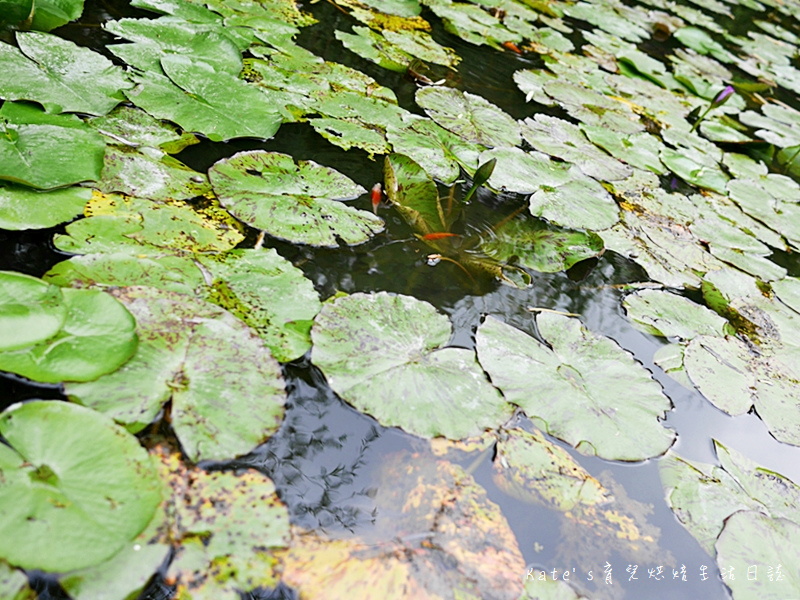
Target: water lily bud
{"type": "Point", "coordinates": [723, 96]}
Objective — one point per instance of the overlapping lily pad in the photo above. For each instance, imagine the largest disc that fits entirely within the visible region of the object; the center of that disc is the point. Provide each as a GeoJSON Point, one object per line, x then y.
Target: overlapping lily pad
{"type": "Point", "coordinates": [581, 387]}
{"type": "Point", "coordinates": [32, 310]}
{"type": "Point", "coordinates": [226, 389]}
{"type": "Point", "coordinates": [297, 202]}
{"type": "Point", "coordinates": [47, 151]}
{"type": "Point", "coordinates": [385, 355]}
{"type": "Point", "coordinates": [129, 126]}
{"type": "Point", "coordinates": [75, 487]}
{"type": "Point", "coordinates": [96, 337]}
{"type": "Point", "coordinates": [251, 284]}
{"type": "Point", "coordinates": [60, 75]}
{"type": "Point", "coordinates": [24, 208]}
{"type": "Point", "coordinates": [661, 313]}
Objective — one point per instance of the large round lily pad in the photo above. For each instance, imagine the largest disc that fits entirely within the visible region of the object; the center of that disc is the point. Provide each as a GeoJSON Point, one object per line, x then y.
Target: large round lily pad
{"type": "Point", "coordinates": [75, 487]}
{"type": "Point", "coordinates": [227, 391]}
{"type": "Point", "coordinates": [296, 202]}
{"type": "Point", "coordinates": [97, 337]}
{"type": "Point", "coordinates": [31, 310]}
{"type": "Point", "coordinates": [24, 208]}
{"type": "Point", "coordinates": [582, 387]}
{"type": "Point", "coordinates": [384, 355]}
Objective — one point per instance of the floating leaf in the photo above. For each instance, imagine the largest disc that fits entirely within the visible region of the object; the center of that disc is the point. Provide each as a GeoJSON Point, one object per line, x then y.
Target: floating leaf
{"type": "Point", "coordinates": [415, 195]}
{"type": "Point", "coordinates": [751, 538]}
{"type": "Point", "coordinates": [639, 150]}
{"type": "Point", "coordinates": [97, 337]}
{"type": "Point", "coordinates": [31, 311]}
{"type": "Point", "coordinates": [75, 487]}
{"type": "Point", "coordinates": [473, 24]}
{"type": "Point", "coordinates": [528, 467]}
{"type": "Point", "coordinates": [201, 99]}
{"type": "Point", "coordinates": [149, 173]}
{"type": "Point", "coordinates": [59, 75]}
{"type": "Point", "coordinates": [421, 45]}
{"type": "Point", "coordinates": [350, 133]}
{"type": "Point", "coordinates": [292, 201]}
{"type": "Point", "coordinates": [695, 167]}
{"type": "Point", "coordinates": [24, 208]}
{"type": "Point", "coordinates": [227, 529]}
{"type": "Point", "coordinates": [14, 584]}
{"type": "Point", "coordinates": [533, 244]}
{"type": "Point", "coordinates": [251, 284]}
{"type": "Point", "coordinates": [669, 315]}
{"type": "Point", "coordinates": [384, 355]}
{"type": "Point", "coordinates": [132, 127]}
{"type": "Point", "coordinates": [588, 391]}
{"type": "Point", "coordinates": [49, 14]}
{"type": "Point", "coordinates": [472, 117]}
{"type": "Point", "coordinates": [227, 391]}
{"type": "Point", "coordinates": [126, 224]}
{"type": "Point", "coordinates": [373, 46]}
{"type": "Point", "coordinates": [47, 151]}
{"type": "Point", "coordinates": [436, 535]}
{"type": "Point", "coordinates": [771, 200]}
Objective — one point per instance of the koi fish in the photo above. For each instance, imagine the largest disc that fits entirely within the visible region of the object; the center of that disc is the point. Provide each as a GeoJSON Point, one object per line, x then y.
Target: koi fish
{"type": "Point", "coordinates": [428, 237]}
{"type": "Point", "coordinates": [511, 46]}
{"type": "Point", "coordinates": [376, 196]}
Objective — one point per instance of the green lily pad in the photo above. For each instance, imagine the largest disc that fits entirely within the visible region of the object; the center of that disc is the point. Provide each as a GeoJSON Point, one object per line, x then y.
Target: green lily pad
{"type": "Point", "coordinates": [132, 127]}
{"type": "Point", "coordinates": [668, 315]}
{"type": "Point", "coordinates": [76, 487]}
{"type": "Point", "coordinates": [59, 75]}
{"type": "Point", "coordinates": [564, 140]}
{"type": "Point", "coordinates": [251, 284]}
{"type": "Point", "coordinates": [415, 195]}
{"type": "Point", "coordinates": [703, 496]}
{"type": "Point", "coordinates": [539, 587]}
{"type": "Point", "coordinates": [437, 150]}
{"type": "Point", "coordinates": [640, 150]}
{"type": "Point", "coordinates": [97, 337]}
{"type": "Point", "coordinates": [126, 224]}
{"type": "Point", "coordinates": [436, 534]}
{"type": "Point", "coordinates": [24, 208]}
{"type": "Point", "coordinates": [226, 529]}
{"type": "Point", "coordinates": [770, 199]}
{"type": "Point", "coordinates": [384, 355]}
{"type": "Point", "coordinates": [528, 467]}
{"type": "Point", "coordinates": [541, 247]}
{"type": "Point", "coordinates": [47, 151]}
{"type": "Point", "coordinates": [201, 99]}
{"type": "Point", "coordinates": [473, 24]}
{"type": "Point", "coordinates": [227, 391]}
{"type": "Point", "coordinates": [581, 387]}
{"type": "Point", "coordinates": [471, 117]}
{"type": "Point", "coordinates": [375, 47]}
{"type": "Point", "coordinates": [149, 173]}
{"type": "Point", "coordinates": [14, 584]}
{"type": "Point", "coordinates": [44, 15]}
{"type": "Point", "coordinates": [292, 201]}
{"type": "Point", "coordinates": [421, 45]}
{"type": "Point", "coordinates": [32, 310]}
{"type": "Point", "coordinates": [695, 167]}
{"type": "Point", "coordinates": [751, 538]}
{"type": "Point", "coordinates": [351, 133]}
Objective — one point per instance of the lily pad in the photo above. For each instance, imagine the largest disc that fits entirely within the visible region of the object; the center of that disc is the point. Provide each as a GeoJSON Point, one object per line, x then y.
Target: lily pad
{"type": "Point", "coordinates": [385, 355]}
{"type": "Point", "coordinates": [351, 133]}
{"type": "Point", "coordinates": [583, 388]}
{"type": "Point", "coordinates": [132, 127]}
{"type": "Point", "coordinates": [640, 150]}
{"type": "Point", "coordinates": [14, 584]}
{"type": "Point", "coordinates": [76, 487]}
{"type": "Point", "coordinates": [47, 151]}
{"type": "Point", "coordinates": [60, 75]}
{"type": "Point", "coordinates": [292, 201]}
{"type": "Point", "coordinates": [533, 244]}
{"type": "Point", "coordinates": [97, 337]}
{"type": "Point", "coordinates": [251, 284]}
{"type": "Point", "coordinates": [751, 538]}
{"type": "Point", "coordinates": [32, 311]}
{"type": "Point", "coordinates": [201, 99]}
{"type": "Point", "coordinates": [149, 173]}
{"type": "Point", "coordinates": [669, 315]}
{"type": "Point", "coordinates": [227, 391]}
{"type": "Point", "coordinates": [437, 535]}
{"type": "Point", "coordinates": [24, 208]}
{"type": "Point", "coordinates": [375, 47]}
{"type": "Point", "coordinates": [528, 467]}
{"type": "Point", "coordinates": [415, 195]}
{"type": "Point", "coordinates": [471, 117]}
{"type": "Point", "coordinates": [126, 224]}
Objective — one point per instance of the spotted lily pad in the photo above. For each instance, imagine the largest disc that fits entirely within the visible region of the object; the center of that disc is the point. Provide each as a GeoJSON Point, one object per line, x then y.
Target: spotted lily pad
{"type": "Point", "coordinates": [385, 355]}
{"type": "Point", "coordinates": [661, 313]}
{"type": "Point", "coordinates": [251, 284]}
{"type": "Point", "coordinates": [60, 75]}
{"type": "Point", "coordinates": [373, 46]}
{"type": "Point", "coordinates": [582, 388]}
{"type": "Point", "coordinates": [227, 391]}
{"type": "Point", "coordinates": [297, 202]}
{"type": "Point", "coordinates": [126, 224]}
{"type": "Point", "coordinates": [436, 535]}
{"type": "Point", "coordinates": [75, 487]}
{"type": "Point", "coordinates": [47, 151]}
{"type": "Point", "coordinates": [132, 127]}
{"type": "Point", "coordinates": [32, 310]}
{"type": "Point", "coordinates": [472, 117]}
{"type": "Point", "coordinates": [97, 337]}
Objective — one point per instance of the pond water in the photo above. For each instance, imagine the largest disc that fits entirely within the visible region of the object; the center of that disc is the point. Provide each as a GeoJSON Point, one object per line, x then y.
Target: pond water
{"type": "Point", "coordinates": [327, 458]}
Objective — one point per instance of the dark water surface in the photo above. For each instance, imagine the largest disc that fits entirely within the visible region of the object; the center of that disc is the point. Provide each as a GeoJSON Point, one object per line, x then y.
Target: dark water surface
{"type": "Point", "coordinates": [326, 459]}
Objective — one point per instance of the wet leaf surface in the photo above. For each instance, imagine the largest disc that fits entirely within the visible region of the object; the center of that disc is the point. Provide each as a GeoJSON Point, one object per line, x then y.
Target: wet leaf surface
{"type": "Point", "coordinates": [32, 310]}
{"type": "Point", "coordinates": [24, 208]}
{"type": "Point", "coordinates": [75, 486]}
{"type": "Point", "coordinates": [227, 391]}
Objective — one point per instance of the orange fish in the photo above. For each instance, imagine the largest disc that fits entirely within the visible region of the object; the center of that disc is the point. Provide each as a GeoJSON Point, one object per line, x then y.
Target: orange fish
{"type": "Point", "coordinates": [511, 46]}
{"type": "Point", "coordinates": [376, 196]}
{"type": "Point", "coordinates": [437, 236]}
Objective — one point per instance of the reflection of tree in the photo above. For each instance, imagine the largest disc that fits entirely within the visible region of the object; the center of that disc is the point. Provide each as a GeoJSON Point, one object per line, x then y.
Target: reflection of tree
{"type": "Point", "coordinates": [315, 458]}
